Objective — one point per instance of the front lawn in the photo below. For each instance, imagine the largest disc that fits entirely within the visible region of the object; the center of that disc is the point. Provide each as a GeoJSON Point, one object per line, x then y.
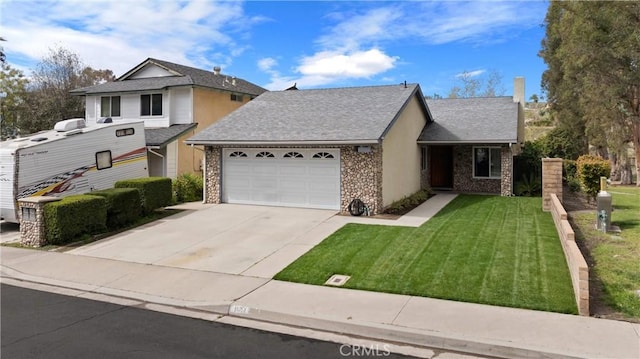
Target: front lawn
{"type": "Point", "coordinates": [616, 258]}
{"type": "Point", "coordinates": [482, 249]}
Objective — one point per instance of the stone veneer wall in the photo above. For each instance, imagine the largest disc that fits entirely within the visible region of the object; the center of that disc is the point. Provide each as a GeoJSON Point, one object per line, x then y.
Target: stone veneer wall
{"type": "Point", "coordinates": [506, 182]}
{"type": "Point", "coordinates": [360, 175]}
{"type": "Point", "coordinates": [32, 233]}
{"type": "Point", "coordinates": [463, 180]}
{"type": "Point", "coordinates": [212, 167]}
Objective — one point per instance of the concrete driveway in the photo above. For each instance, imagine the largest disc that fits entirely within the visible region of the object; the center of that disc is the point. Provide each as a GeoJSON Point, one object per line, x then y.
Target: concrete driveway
{"type": "Point", "coordinates": [256, 241]}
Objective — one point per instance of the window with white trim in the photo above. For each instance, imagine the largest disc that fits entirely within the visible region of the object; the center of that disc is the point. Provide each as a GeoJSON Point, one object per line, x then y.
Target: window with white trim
{"type": "Point", "coordinates": [237, 98]}
{"type": "Point", "coordinates": [265, 154]}
{"type": "Point", "coordinates": [237, 154]}
{"type": "Point", "coordinates": [323, 155]}
{"type": "Point", "coordinates": [293, 155]}
{"type": "Point", "coordinates": [151, 105]}
{"type": "Point", "coordinates": [487, 162]}
{"type": "Point", "coordinates": [110, 106]}
{"type": "Point", "coordinates": [103, 160]}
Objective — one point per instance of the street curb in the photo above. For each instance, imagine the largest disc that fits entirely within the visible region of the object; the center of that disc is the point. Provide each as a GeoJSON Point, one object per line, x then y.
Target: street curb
{"type": "Point", "coordinates": [374, 331]}
{"type": "Point", "coordinates": [208, 307]}
{"type": "Point", "coordinates": [403, 335]}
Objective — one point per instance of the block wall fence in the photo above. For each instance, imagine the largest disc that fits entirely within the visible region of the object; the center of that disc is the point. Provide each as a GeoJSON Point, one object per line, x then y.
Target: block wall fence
{"type": "Point", "coordinates": [551, 202]}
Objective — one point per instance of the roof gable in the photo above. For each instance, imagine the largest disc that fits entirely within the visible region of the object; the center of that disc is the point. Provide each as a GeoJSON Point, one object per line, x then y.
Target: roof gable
{"type": "Point", "coordinates": [347, 115]}
{"type": "Point", "coordinates": [154, 74]}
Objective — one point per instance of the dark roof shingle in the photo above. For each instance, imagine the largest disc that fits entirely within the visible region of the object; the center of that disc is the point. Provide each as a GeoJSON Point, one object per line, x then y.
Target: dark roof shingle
{"type": "Point", "coordinates": [187, 76]}
{"type": "Point", "coordinates": [160, 137]}
{"type": "Point", "coordinates": [356, 114]}
{"type": "Point", "coordinates": [472, 120]}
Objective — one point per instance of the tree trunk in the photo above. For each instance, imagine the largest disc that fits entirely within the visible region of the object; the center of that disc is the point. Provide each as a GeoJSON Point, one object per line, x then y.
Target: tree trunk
{"type": "Point", "coordinates": [615, 167]}
{"type": "Point", "coordinates": [636, 148]}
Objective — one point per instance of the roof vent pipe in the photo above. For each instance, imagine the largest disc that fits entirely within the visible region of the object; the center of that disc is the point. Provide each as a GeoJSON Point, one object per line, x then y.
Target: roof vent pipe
{"type": "Point", "coordinates": [216, 70]}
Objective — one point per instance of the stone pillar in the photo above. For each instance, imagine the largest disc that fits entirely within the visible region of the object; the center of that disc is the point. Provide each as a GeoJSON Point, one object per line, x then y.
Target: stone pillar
{"type": "Point", "coordinates": [212, 174]}
{"type": "Point", "coordinates": [506, 182]}
{"type": "Point", "coordinates": [551, 181]}
{"type": "Point", "coordinates": [32, 229]}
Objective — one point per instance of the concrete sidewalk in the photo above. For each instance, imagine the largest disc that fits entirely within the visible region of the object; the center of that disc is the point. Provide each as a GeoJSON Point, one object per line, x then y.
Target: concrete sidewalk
{"type": "Point", "coordinates": [464, 327]}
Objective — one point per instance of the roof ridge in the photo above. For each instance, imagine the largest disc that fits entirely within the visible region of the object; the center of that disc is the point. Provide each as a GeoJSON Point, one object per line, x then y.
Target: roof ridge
{"type": "Point", "coordinates": [353, 87]}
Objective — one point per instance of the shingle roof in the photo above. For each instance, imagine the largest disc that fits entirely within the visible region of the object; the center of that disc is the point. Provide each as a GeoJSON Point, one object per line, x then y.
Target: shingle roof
{"type": "Point", "coordinates": [160, 137]}
{"type": "Point", "coordinates": [480, 120]}
{"type": "Point", "coordinates": [351, 115]}
{"type": "Point", "coordinates": [188, 76]}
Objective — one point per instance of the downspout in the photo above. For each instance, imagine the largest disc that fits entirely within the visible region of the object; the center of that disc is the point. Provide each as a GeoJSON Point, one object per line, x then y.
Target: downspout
{"type": "Point", "coordinates": [164, 174]}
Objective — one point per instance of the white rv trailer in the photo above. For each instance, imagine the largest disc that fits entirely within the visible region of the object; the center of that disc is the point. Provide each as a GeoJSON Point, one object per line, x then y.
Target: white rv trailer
{"type": "Point", "coordinates": [71, 159]}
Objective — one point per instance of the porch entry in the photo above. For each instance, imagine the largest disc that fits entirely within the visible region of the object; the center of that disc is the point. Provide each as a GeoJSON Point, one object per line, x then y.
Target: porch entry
{"type": "Point", "coordinates": [441, 166]}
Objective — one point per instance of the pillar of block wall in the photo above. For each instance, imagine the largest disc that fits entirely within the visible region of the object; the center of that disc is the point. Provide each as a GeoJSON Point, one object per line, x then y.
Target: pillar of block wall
{"type": "Point", "coordinates": [551, 181]}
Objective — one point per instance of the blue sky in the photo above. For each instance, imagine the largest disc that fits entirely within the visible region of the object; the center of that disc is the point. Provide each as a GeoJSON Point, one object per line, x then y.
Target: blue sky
{"type": "Point", "coordinates": [277, 43]}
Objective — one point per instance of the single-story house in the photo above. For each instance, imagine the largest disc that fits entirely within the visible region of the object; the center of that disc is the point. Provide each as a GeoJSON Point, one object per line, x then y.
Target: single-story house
{"type": "Point", "coordinates": [323, 148]}
{"type": "Point", "coordinates": [174, 101]}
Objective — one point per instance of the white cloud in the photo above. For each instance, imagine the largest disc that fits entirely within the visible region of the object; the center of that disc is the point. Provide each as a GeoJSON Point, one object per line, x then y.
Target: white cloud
{"type": "Point", "coordinates": [117, 35]}
{"type": "Point", "coordinates": [327, 67]}
{"type": "Point", "coordinates": [470, 74]}
{"type": "Point", "coordinates": [267, 63]}
{"type": "Point", "coordinates": [342, 53]}
{"type": "Point", "coordinates": [356, 64]}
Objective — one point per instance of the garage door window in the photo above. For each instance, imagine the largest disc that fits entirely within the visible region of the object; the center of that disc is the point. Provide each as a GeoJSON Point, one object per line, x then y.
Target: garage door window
{"type": "Point", "coordinates": [237, 154]}
{"type": "Point", "coordinates": [323, 155]}
{"type": "Point", "coordinates": [265, 154]}
{"type": "Point", "coordinates": [293, 155]}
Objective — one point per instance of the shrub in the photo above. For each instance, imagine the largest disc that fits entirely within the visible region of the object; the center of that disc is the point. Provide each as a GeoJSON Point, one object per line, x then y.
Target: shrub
{"type": "Point", "coordinates": [529, 186]}
{"type": "Point", "coordinates": [123, 205]}
{"type": "Point", "coordinates": [529, 161]}
{"type": "Point", "coordinates": [74, 216]}
{"type": "Point", "coordinates": [187, 188]}
{"type": "Point", "coordinates": [408, 203]}
{"type": "Point", "coordinates": [590, 169]}
{"type": "Point", "coordinates": [570, 175]}
{"type": "Point", "coordinates": [155, 192]}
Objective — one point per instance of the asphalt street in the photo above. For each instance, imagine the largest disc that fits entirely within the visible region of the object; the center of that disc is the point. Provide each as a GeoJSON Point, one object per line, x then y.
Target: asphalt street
{"type": "Point", "coordinates": [37, 324]}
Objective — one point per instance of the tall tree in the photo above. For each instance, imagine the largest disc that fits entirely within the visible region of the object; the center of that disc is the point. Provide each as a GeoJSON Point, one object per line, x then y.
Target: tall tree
{"type": "Point", "coordinates": [13, 93]}
{"type": "Point", "coordinates": [49, 100]}
{"type": "Point", "coordinates": [592, 50]}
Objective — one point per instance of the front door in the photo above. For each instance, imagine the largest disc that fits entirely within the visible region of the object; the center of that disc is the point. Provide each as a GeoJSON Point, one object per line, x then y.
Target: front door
{"type": "Point", "coordinates": [441, 166]}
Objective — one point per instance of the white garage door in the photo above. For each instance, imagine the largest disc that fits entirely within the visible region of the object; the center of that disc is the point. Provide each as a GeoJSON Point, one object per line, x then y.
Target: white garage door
{"type": "Point", "coordinates": [307, 178]}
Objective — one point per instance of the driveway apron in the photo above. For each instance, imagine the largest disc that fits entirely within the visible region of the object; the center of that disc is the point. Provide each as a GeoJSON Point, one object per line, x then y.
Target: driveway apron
{"type": "Point", "coordinates": [223, 238]}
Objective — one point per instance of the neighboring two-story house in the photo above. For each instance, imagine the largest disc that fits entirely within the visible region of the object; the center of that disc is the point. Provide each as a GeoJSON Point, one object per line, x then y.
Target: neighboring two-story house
{"type": "Point", "coordinates": [175, 102]}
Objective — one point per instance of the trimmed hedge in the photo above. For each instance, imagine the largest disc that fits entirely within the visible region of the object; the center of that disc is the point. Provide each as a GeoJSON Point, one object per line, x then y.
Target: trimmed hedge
{"type": "Point", "coordinates": [74, 216]}
{"type": "Point", "coordinates": [187, 188]}
{"type": "Point", "coordinates": [123, 205]}
{"type": "Point", "coordinates": [155, 192]}
{"type": "Point", "coordinates": [590, 169]}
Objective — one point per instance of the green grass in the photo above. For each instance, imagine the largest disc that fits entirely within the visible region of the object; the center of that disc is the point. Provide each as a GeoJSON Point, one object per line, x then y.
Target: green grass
{"type": "Point", "coordinates": [617, 260]}
{"type": "Point", "coordinates": [482, 249]}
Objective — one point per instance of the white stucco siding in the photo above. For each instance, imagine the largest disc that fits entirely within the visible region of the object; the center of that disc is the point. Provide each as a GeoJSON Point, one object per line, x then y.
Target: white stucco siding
{"type": "Point", "coordinates": [150, 71]}
{"type": "Point", "coordinates": [130, 106]}
{"type": "Point", "coordinates": [181, 107]}
{"type": "Point", "coordinates": [91, 110]}
{"type": "Point", "coordinates": [401, 155]}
